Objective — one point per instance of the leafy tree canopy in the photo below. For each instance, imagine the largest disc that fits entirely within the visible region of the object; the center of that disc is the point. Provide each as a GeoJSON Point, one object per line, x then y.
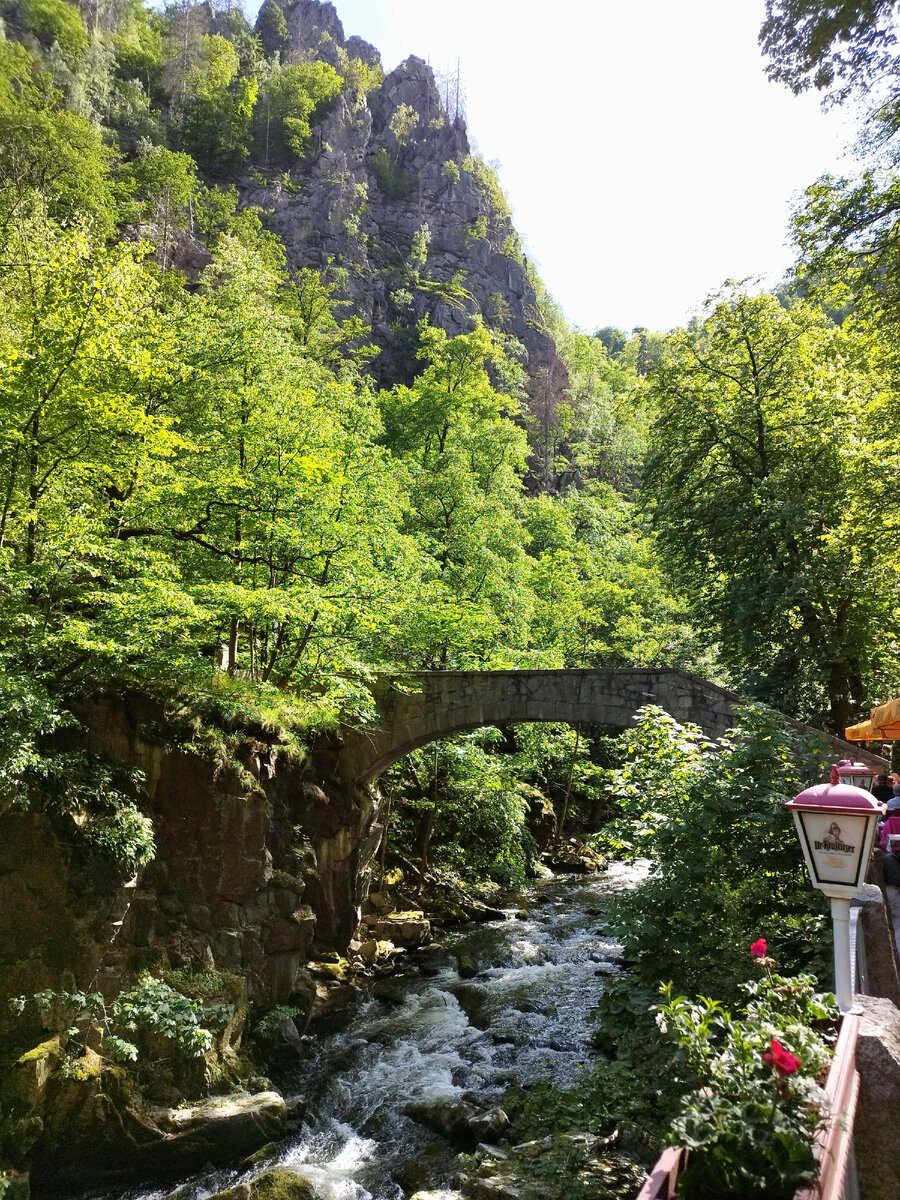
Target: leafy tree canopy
{"type": "Point", "coordinates": [752, 488]}
{"type": "Point", "coordinates": [830, 47]}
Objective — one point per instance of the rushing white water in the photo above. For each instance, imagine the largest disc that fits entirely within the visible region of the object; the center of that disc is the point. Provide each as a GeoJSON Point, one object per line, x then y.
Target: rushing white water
{"type": "Point", "coordinates": [436, 1039]}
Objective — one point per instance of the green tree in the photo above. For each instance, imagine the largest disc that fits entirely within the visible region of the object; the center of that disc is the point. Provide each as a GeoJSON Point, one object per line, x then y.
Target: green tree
{"type": "Point", "coordinates": [294, 98]}
{"type": "Point", "coordinates": [321, 329]}
{"type": "Point", "coordinates": [87, 366]}
{"type": "Point", "coordinates": [48, 156]}
{"type": "Point", "coordinates": [272, 30]}
{"type": "Point", "coordinates": [283, 530]}
{"type": "Point", "coordinates": [606, 413]}
{"type": "Point", "coordinates": [846, 226]}
{"type": "Point", "coordinates": [712, 819]}
{"type": "Point", "coordinates": [217, 104]}
{"type": "Point", "coordinates": [458, 804]}
{"type": "Point", "coordinates": [463, 454]}
{"type": "Point", "coordinates": [55, 21]}
{"type": "Point", "coordinates": [760, 412]}
{"type": "Point", "coordinates": [833, 47]}
{"type": "Point", "coordinates": [165, 184]}
{"type": "Point", "coordinates": [601, 598]}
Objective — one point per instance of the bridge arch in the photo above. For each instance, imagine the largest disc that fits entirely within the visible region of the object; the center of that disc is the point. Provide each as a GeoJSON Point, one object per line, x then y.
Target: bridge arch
{"type": "Point", "coordinates": [427, 706]}
{"type": "Point", "coordinates": [415, 709]}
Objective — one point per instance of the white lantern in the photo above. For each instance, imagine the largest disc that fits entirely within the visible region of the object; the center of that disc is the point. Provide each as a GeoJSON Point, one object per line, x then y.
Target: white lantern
{"type": "Point", "coordinates": [857, 774]}
{"type": "Point", "coordinates": [836, 824]}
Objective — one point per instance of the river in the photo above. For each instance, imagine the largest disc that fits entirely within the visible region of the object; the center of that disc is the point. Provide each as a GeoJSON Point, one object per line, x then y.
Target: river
{"type": "Point", "coordinates": [426, 1037]}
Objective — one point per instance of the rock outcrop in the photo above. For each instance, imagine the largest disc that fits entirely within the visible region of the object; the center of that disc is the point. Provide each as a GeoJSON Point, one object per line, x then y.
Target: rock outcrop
{"type": "Point", "coordinates": [254, 864]}
{"type": "Point", "coordinates": [391, 196]}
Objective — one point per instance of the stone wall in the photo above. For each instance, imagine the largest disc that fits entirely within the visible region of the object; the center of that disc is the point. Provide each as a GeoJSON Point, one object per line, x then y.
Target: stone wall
{"type": "Point", "coordinates": [255, 865]}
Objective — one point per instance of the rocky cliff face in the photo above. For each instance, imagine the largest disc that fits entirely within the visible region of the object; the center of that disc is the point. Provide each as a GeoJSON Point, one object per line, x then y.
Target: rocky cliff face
{"type": "Point", "coordinates": [255, 865]}
{"type": "Point", "coordinates": [391, 194]}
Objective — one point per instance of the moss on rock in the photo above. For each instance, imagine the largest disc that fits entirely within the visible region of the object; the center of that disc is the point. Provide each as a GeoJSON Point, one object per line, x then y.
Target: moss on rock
{"type": "Point", "coordinates": [274, 1185]}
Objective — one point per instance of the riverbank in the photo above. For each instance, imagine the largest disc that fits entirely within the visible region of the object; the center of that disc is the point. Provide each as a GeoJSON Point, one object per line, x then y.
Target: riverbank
{"type": "Point", "coordinates": [414, 1067]}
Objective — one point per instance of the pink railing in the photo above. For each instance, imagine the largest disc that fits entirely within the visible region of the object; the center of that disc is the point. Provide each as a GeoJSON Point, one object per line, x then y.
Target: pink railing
{"type": "Point", "coordinates": [664, 1177]}
{"type": "Point", "coordinates": [832, 1150]}
{"type": "Point", "coordinates": [833, 1145]}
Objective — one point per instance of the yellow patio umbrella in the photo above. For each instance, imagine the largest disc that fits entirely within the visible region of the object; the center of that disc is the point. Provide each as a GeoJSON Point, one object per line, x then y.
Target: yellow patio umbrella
{"type": "Point", "coordinates": [883, 724]}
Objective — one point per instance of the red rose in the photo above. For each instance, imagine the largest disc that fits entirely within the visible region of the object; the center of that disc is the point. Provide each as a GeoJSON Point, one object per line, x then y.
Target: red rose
{"type": "Point", "coordinates": [783, 1061]}
{"type": "Point", "coordinates": [758, 949]}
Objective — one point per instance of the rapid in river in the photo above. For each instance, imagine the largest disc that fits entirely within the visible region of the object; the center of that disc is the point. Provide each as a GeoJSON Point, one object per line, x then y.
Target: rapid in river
{"type": "Point", "coordinates": [427, 1038]}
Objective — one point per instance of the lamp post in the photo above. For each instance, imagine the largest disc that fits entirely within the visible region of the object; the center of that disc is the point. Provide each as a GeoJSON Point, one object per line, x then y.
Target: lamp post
{"type": "Point", "coordinates": [857, 774]}
{"type": "Point", "coordinates": [836, 824]}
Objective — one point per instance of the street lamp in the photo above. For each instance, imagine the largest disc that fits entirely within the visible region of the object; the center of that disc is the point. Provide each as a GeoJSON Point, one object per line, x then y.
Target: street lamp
{"type": "Point", "coordinates": [857, 774]}
{"type": "Point", "coordinates": [836, 824]}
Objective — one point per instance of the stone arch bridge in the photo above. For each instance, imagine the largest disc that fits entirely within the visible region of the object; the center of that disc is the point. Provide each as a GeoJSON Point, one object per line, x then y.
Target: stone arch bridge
{"type": "Point", "coordinates": [423, 707]}
{"type": "Point", "coordinates": [417, 708]}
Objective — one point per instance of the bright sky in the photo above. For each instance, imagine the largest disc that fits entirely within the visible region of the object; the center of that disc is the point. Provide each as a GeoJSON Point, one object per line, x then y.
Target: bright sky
{"type": "Point", "coordinates": [645, 156]}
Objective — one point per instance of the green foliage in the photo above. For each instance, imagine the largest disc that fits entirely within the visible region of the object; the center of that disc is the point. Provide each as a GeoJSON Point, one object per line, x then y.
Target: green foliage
{"type": "Point", "coordinates": [217, 104]}
{"type": "Point", "coordinates": [607, 420]}
{"type": "Point", "coordinates": [124, 835]}
{"type": "Point", "coordinates": [138, 44]}
{"type": "Point", "coordinates": [391, 179]}
{"type": "Point", "coordinates": [267, 1028]}
{"type": "Point", "coordinates": [272, 30]}
{"type": "Point", "coordinates": [51, 161]}
{"type": "Point", "coordinates": [360, 77]}
{"type": "Point", "coordinates": [845, 227]}
{"type": "Point", "coordinates": [840, 46]}
{"type": "Point", "coordinates": [462, 455]}
{"type": "Point", "coordinates": [404, 120]}
{"type": "Point", "coordinates": [471, 801]}
{"type": "Point", "coordinates": [755, 500]}
{"type": "Point", "coordinates": [31, 714]}
{"type": "Point", "coordinates": [451, 293]}
{"type": "Point", "coordinates": [150, 1006]}
{"type": "Point", "coordinates": [154, 1007]}
{"type": "Point", "coordinates": [311, 304]}
{"type": "Point", "coordinates": [418, 252]}
{"type": "Point", "coordinates": [293, 99]}
{"type": "Point", "coordinates": [55, 21]}
{"type": "Point", "coordinates": [600, 596]}
{"type": "Point", "coordinates": [720, 840]}
{"type": "Point", "coordinates": [164, 182]}
{"type": "Point", "coordinates": [477, 231]}
{"type": "Point", "coordinates": [751, 1123]}
{"type": "Point", "coordinates": [663, 759]}
{"type": "Point", "coordinates": [99, 795]}
{"type": "Point", "coordinates": [201, 494]}
{"type": "Point", "coordinates": [488, 184]}
{"type": "Point", "coordinates": [512, 247]}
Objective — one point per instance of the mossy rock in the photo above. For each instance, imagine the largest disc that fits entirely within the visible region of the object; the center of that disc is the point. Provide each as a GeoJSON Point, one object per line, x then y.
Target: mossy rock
{"type": "Point", "coordinates": [274, 1185]}
{"type": "Point", "coordinates": [14, 1185]}
{"type": "Point", "coordinates": [27, 1081]}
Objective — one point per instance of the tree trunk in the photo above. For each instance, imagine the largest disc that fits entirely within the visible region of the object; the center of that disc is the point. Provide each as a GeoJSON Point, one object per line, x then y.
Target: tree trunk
{"type": "Point", "coordinates": [426, 827]}
{"type": "Point", "coordinates": [561, 822]}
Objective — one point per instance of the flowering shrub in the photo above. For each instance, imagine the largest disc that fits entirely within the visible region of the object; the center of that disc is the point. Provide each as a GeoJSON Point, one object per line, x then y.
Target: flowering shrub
{"type": "Point", "coordinates": [751, 1125]}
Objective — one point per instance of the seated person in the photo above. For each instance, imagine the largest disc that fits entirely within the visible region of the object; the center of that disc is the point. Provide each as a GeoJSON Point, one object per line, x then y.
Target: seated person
{"type": "Point", "coordinates": [890, 830]}
{"type": "Point", "coordinates": [882, 789]}
{"type": "Point", "coordinates": [891, 824]}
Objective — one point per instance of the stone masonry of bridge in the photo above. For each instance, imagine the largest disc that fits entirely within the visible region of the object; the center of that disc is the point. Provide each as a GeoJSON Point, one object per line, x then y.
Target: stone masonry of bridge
{"type": "Point", "coordinates": [418, 708]}
{"type": "Point", "coordinates": [423, 707]}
